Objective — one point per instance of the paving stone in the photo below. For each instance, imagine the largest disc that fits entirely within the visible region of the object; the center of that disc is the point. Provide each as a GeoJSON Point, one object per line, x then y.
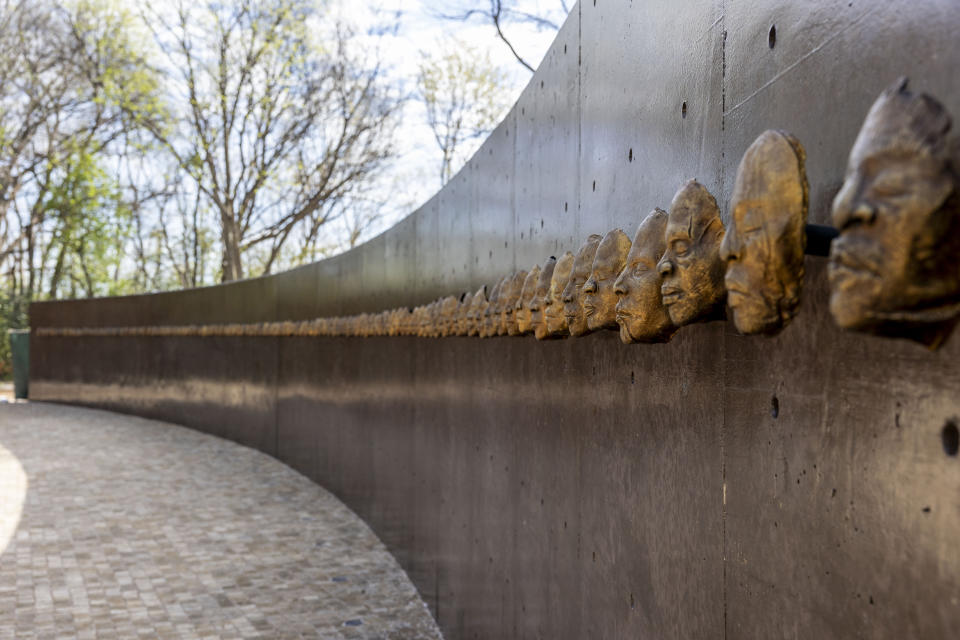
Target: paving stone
{"type": "Point", "coordinates": [113, 526]}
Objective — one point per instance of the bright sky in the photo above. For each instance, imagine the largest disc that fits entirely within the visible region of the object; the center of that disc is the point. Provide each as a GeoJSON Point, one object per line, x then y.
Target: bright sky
{"type": "Point", "coordinates": [420, 29]}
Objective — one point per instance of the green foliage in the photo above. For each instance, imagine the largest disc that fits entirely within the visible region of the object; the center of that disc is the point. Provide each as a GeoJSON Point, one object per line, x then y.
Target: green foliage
{"type": "Point", "coordinates": [138, 142]}
{"type": "Point", "coordinates": [93, 226]}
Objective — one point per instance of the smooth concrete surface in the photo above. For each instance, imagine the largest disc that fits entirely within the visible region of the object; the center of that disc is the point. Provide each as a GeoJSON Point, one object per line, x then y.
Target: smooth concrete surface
{"type": "Point", "coordinates": [717, 486]}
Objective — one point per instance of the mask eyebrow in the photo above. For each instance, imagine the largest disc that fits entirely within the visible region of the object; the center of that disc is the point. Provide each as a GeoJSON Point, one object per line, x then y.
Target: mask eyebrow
{"type": "Point", "coordinates": [678, 232]}
{"type": "Point", "coordinates": [713, 221]}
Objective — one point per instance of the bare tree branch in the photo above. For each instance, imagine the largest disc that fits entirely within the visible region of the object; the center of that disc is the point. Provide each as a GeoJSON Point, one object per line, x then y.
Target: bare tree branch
{"type": "Point", "coordinates": [275, 129]}
{"type": "Point", "coordinates": [500, 13]}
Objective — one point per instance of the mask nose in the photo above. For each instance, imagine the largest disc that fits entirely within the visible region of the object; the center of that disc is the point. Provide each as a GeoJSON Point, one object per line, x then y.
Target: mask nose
{"type": "Point", "coordinates": [849, 208]}
{"type": "Point", "coordinates": [730, 246]}
{"type": "Point", "coordinates": [665, 267]}
{"type": "Point", "coordinates": [863, 213]}
{"type": "Point", "coordinates": [620, 286]}
{"type": "Point", "coordinates": [590, 286]}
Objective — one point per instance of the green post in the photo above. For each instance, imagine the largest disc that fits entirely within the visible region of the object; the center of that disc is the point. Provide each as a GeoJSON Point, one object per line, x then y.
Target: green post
{"type": "Point", "coordinates": [20, 353]}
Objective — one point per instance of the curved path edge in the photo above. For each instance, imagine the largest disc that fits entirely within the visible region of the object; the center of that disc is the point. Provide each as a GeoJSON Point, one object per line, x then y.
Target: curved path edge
{"type": "Point", "coordinates": [130, 528]}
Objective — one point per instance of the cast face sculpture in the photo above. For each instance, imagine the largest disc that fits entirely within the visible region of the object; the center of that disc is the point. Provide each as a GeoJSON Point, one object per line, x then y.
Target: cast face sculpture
{"type": "Point", "coordinates": [395, 322]}
{"type": "Point", "coordinates": [405, 326]}
{"type": "Point", "coordinates": [435, 318]}
{"type": "Point", "coordinates": [466, 308]}
{"type": "Point", "coordinates": [499, 326]}
{"type": "Point", "coordinates": [491, 314]}
{"type": "Point", "coordinates": [640, 311]}
{"type": "Point", "coordinates": [412, 322]}
{"type": "Point", "coordinates": [554, 319]}
{"type": "Point", "coordinates": [599, 299]}
{"type": "Point", "coordinates": [448, 316]}
{"type": "Point", "coordinates": [475, 314]}
{"type": "Point", "coordinates": [421, 318]}
{"type": "Point", "coordinates": [463, 307]}
{"type": "Point", "coordinates": [764, 246]}
{"type": "Point", "coordinates": [538, 304]}
{"type": "Point", "coordinates": [691, 267]}
{"type": "Point", "coordinates": [894, 269]}
{"type": "Point", "coordinates": [523, 313]}
{"type": "Point", "coordinates": [508, 318]}
{"type": "Point", "coordinates": [573, 309]}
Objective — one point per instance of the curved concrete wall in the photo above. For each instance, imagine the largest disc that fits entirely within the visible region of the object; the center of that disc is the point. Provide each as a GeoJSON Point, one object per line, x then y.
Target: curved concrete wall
{"type": "Point", "coordinates": [582, 488]}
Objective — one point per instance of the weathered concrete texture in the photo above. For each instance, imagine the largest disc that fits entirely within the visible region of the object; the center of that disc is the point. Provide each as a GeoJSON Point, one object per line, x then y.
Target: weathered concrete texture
{"type": "Point", "coordinates": [134, 528]}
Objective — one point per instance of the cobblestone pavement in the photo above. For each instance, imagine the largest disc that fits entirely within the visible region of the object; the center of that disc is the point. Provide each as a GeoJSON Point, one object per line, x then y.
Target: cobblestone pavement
{"type": "Point", "coordinates": [118, 527]}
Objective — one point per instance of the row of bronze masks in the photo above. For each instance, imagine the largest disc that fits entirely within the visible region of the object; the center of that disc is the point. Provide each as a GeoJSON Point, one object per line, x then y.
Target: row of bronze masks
{"type": "Point", "coordinates": [894, 265]}
{"type": "Point", "coordinates": [894, 268]}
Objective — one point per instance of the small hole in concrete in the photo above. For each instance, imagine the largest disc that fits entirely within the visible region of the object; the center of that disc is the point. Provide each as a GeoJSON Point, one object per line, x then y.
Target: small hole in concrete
{"type": "Point", "coordinates": [683, 110]}
{"type": "Point", "coordinates": [564, 48]}
{"type": "Point", "coordinates": [950, 437]}
{"type": "Point", "coordinates": [630, 156]}
{"type": "Point", "coordinates": [772, 37]}
{"type": "Point", "coordinates": [774, 407]}
{"type": "Point", "coordinates": [632, 378]}
{"type": "Point", "coordinates": [565, 206]}
{"type": "Point", "coordinates": [541, 84]}
{"type": "Point", "coordinates": [594, 185]}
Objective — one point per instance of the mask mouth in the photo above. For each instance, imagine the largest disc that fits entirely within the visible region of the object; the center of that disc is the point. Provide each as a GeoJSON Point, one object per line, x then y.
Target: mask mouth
{"type": "Point", "coordinates": [735, 297]}
{"type": "Point", "coordinates": [736, 286]}
{"type": "Point", "coordinates": [853, 262]}
{"type": "Point", "coordinates": [670, 295]}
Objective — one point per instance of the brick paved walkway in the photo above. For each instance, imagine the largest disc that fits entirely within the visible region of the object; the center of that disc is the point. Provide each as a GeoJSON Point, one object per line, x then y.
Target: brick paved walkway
{"type": "Point", "coordinates": [132, 528]}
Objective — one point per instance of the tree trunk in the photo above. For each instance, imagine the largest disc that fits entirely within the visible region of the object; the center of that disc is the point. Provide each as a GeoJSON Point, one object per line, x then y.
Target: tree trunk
{"type": "Point", "coordinates": [232, 265]}
{"type": "Point", "coordinates": [57, 272]}
{"type": "Point", "coordinates": [31, 272]}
